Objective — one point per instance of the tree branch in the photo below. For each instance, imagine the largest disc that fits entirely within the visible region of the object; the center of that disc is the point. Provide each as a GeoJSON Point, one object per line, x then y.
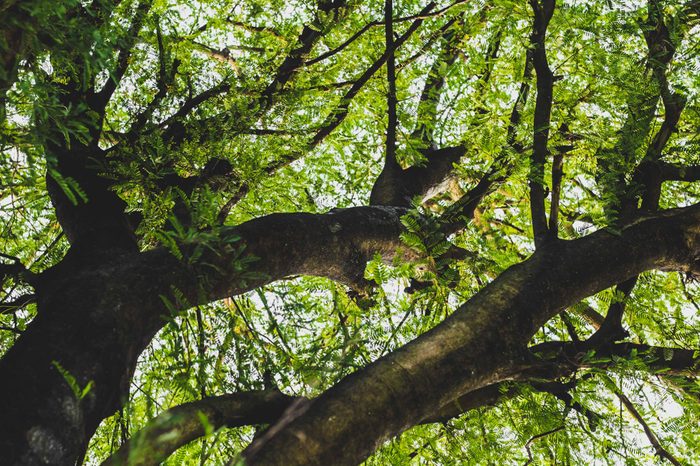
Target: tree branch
{"type": "Point", "coordinates": [11, 307]}
{"type": "Point", "coordinates": [674, 172]}
{"type": "Point", "coordinates": [536, 437]}
{"type": "Point", "coordinates": [122, 64]}
{"type": "Point", "coordinates": [335, 118]}
{"type": "Point", "coordinates": [430, 96]}
{"type": "Point", "coordinates": [295, 60]}
{"type": "Point", "coordinates": [653, 439]}
{"type": "Point", "coordinates": [166, 77]}
{"type": "Point", "coordinates": [612, 329]}
{"type": "Point", "coordinates": [543, 11]}
{"type": "Point", "coordinates": [372, 24]}
{"type": "Point", "coordinates": [180, 425]}
{"type": "Point", "coordinates": [16, 269]}
{"type": "Point", "coordinates": [392, 120]}
{"type": "Point", "coordinates": [505, 314]}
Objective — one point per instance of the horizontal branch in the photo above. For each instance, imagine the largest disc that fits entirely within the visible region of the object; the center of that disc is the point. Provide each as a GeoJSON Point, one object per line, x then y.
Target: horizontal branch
{"type": "Point", "coordinates": [658, 359]}
{"type": "Point", "coordinates": [676, 172]}
{"type": "Point", "coordinates": [562, 359]}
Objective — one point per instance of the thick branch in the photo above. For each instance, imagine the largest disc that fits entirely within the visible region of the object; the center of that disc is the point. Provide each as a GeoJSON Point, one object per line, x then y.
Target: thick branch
{"type": "Point", "coordinates": [562, 359]}
{"type": "Point", "coordinates": [402, 389]}
{"type": "Point", "coordinates": [675, 172]}
{"type": "Point", "coordinates": [457, 356]}
{"type": "Point", "coordinates": [543, 108]}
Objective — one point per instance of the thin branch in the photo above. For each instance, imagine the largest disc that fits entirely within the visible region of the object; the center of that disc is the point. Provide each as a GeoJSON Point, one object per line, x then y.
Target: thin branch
{"type": "Point", "coordinates": [177, 132]}
{"type": "Point", "coordinates": [223, 55]}
{"type": "Point", "coordinates": [430, 96]}
{"type": "Point", "coordinates": [499, 171]}
{"type": "Point", "coordinates": [372, 24]}
{"type": "Point", "coordinates": [536, 437]}
{"type": "Point", "coordinates": [562, 357]}
{"type": "Point", "coordinates": [661, 49]}
{"type": "Point", "coordinates": [653, 439]}
{"type": "Point", "coordinates": [252, 28]}
{"type": "Point", "coordinates": [196, 101]}
{"type": "Point", "coordinates": [122, 64]}
{"type": "Point", "coordinates": [164, 81]}
{"type": "Point", "coordinates": [427, 45]}
{"type": "Point", "coordinates": [335, 118]}
{"type": "Point", "coordinates": [239, 194]}
{"type": "Point", "coordinates": [557, 175]}
{"type": "Point", "coordinates": [11, 307]}
{"type": "Point", "coordinates": [592, 316]}
{"type": "Point", "coordinates": [391, 82]}
{"type": "Point", "coordinates": [295, 60]}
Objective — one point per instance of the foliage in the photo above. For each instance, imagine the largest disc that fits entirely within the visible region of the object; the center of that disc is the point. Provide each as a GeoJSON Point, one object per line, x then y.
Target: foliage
{"type": "Point", "coordinates": [304, 334]}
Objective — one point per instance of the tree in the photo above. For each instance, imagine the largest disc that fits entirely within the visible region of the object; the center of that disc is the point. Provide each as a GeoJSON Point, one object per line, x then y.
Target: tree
{"type": "Point", "coordinates": [462, 232]}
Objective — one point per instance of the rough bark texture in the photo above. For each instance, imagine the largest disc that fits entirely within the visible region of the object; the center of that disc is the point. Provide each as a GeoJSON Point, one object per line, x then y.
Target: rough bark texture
{"type": "Point", "coordinates": [120, 297]}
{"type": "Point", "coordinates": [482, 343]}
{"type": "Point", "coordinates": [103, 303]}
{"type": "Point", "coordinates": [96, 314]}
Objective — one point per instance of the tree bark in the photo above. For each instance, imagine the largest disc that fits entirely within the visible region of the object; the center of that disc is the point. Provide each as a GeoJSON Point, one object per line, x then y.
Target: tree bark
{"type": "Point", "coordinates": [482, 343]}
{"type": "Point", "coordinates": [72, 366]}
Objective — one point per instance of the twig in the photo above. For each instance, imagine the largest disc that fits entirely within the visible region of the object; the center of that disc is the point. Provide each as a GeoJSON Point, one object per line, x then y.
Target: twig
{"type": "Point", "coordinates": [372, 24]}
{"type": "Point", "coordinates": [660, 450]}
{"type": "Point", "coordinates": [536, 437]}
{"type": "Point", "coordinates": [14, 306]}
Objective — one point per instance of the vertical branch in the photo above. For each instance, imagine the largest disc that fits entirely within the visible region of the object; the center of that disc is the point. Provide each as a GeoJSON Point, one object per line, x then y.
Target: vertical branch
{"type": "Point", "coordinates": [661, 46]}
{"type": "Point", "coordinates": [391, 81]}
{"type": "Point", "coordinates": [491, 56]}
{"type": "Point", "coordinates": [122, 64]}
{"type": "Point", "coordinates": [611, 329]}
{"type": "Point", "coordinates": [543, 11]}
{"type": "Point", "coordinates": [430, 96]}
{"type": "Point", "coordinates": [557, 174]}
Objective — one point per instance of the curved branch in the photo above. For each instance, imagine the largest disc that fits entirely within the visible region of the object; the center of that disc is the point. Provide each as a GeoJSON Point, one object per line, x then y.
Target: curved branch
{"type": "Point", "coordinates": [372, 24]}
{"type": "Point", "coordinates": [180, 425]}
